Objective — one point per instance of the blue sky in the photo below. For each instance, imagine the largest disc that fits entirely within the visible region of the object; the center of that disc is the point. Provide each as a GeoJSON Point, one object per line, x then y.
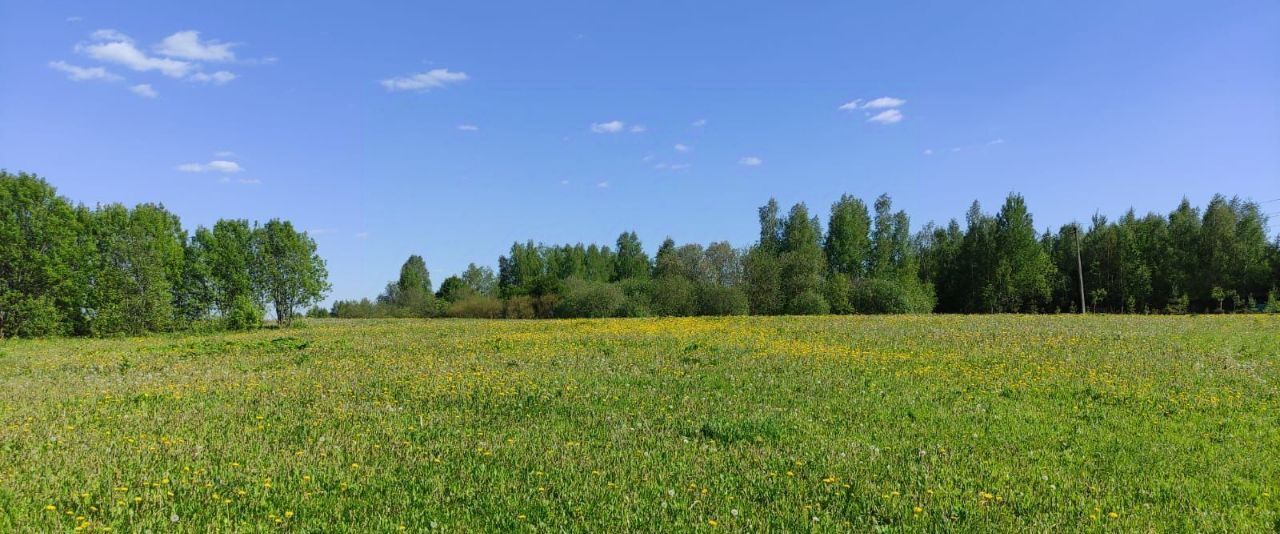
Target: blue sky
{"type": "Point", "coordinates": [452, 129]}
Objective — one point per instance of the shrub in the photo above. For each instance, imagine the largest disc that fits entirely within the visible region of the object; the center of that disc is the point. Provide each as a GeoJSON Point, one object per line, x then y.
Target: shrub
{"type": "Point", "coordinates": [674, 296]}
{"type": "Point", "coordinates": [809, 302]}
{"type": "Point", "coordinates": [583, 298]}
{"type": "Point", "coordinates": [519, 307]}
{"type": "Point", "coordinates": [476, 307]}
{"type": "Point", "coordinates": [715, 299]}
{"type": "Point", "coordinates": [891, 296]}
{"type": "Point", "coordinates": [639, 297]}
{"type": "Point", "coordinates": [838, 289]}
{"type": "Point", "coordinates": [243, 315]}
{"type": "Point", "coordinates": [317, 312]}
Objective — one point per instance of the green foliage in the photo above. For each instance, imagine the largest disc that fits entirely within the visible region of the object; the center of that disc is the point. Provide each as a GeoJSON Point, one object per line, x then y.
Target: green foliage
{"type": "Point", "coordinates": [519, 307]}
{"type": "Point", "coordinates": [1273, 301]}
{"type": "Point", "coordinates": [317, 312]}
{"type": "Point", "coordinates": [43, 259]}
{"type": "Point", "coordinates": [289, 272]}
{"type": "Point", "coordinates": [242, 314]}
{"type": "Point", "coordinates": [848, 245]}
{"type": "Point", "coordinates": [584, 298]}
{"type": "Point", "coordinates": [476, 306]}
{"type": "Point", "coordinates": [878, 296]}
{"type": "Point", "coordinates": [639, 297]}
{"type": "Point", "coordinates": [630, 260]}
{"type": "Point", "coordinates": [810, 302]}
{"type": "Point", "coordinates": [715, 299]}
{"type": "Point", "coordinates": [674, 296]}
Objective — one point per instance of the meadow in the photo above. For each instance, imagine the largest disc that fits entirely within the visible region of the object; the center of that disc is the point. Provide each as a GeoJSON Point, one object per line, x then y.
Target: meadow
{"type": "Point", "coordinates": [914, 423]}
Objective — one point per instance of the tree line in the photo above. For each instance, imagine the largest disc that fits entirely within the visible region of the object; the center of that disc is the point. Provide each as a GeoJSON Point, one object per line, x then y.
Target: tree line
{"type": "Point", "coordinates": [69, 269]}
{"type": "Point", "coordinates": [867, 260]}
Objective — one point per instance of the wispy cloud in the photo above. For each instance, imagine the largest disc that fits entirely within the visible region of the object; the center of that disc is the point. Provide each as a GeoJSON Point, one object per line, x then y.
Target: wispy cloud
{"type": "Point", "coordinates": [888, 116]}
{"type": "Point", "coordinates": [613, 126]}
{"type": "Point", "coordinates": [698, 123]}
{"type": "Point", "coordinates": [111, 46]}
{"type": "Point", "coordinates": [217, 165]}
{"type": "Point", "coordinates": [144, 90]}
{"type": "Point", "coordinates": [602, 185]}
{"type": "Point", "coordinates": [218, 78]}
{"type": "Point", "coordinates": [889, 104]}
{"type": "Point", "coordinates": [672, 166]}
{"type": "Point", "coordinates": [362, 235]}
{"type": "Point", "coordinates": [681, 147]}
{"type": "Point", "coordinates": [250, 181]}
{"type": "Point", "coordinates": [187, 45]}
{"type": "Point", "coordinates": [78, 74]}
{"type": "Point", "coordinates": [639, 128]}
{"type": "Point", "coordinates": [884, 102]}
{"type": "Point", "coordinates": [751, 161]}
{"type": "Point", "coordinates": [424, 81]}
{"type": "Point", "coordinates": [468, 127]}
{"type": "Point", "coordinates": [74, 19]}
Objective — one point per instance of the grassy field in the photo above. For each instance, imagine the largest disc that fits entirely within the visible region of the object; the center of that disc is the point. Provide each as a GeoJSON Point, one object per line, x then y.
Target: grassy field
{"type": "Point", "coordinates": [911, 423]}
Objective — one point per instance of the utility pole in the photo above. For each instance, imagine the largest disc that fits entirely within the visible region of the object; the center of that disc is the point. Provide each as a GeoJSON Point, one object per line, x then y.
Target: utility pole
{"type": "Point", "coordinates": [1080, 269]}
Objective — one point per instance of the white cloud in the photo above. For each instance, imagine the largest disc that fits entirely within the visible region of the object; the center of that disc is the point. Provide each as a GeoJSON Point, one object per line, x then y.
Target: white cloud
{"type": "Point", "coordinates": [888, 116]}
{"type": "Point", "coordinates": [639, 128]}
{"type": "Point", "coordinates": [217, 165]}
{"type": "Point", "coordinates": [362, 235]}
{"type": "Point", "coordinates": [74, 19]}
{"type": "Point", "coordinates": [564, 182]}
{"type": "Point", "coordinates": [602, 185]}
{"type": "Point", "coordinates": [424, 81]}
{"type": "Point", "coordinates": [607, 127]}
{"type": "Point", "coordinates": [78, 74]}
{"type": "Point", "coordinates": [115, 47]}
{"type": "Point", "coordinates": [144, 90]}
{"type": "Point", "coordinates": [109, 35]}
{"type": "Point", "coordinates": [928, 151]}
{"type": "Point", "coordinates": [680, 147]}
{"type": "Point", "coordinates": [699, 123]}
{"type": "Point", "coordinates": [468, 127]}
{"type": "Point", "coordinates": [850, 105]}
{"type": "Point", "coordinates": [996, 142]}
{"type": "Point", "coordinates": [751, 161]}
{"type": "Point", "coordinates": [218, 78]}
{"type": "Point", "coordinates": [884, 102]}
{"type": "Point", "coordinates": [187, 45]}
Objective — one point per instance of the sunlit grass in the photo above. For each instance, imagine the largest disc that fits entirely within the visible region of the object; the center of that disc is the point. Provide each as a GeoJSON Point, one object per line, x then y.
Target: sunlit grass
{"type": "Point", "coordinates": [919, 423]}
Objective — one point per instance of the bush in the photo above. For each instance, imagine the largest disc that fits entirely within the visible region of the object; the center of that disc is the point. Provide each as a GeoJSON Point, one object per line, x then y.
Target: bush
{"type": "Point", "coordinates": [583, 298]}
{"type": "Point", "coordinates": [891, 296]}
{"type": "Point", "coordinates": [1273, 302]}
{"type": "Point", "coordinates": [243, 315]}
{"type": "Point", "coordinates": [519, 307]}
{"type": "Point", "coordinates": [809, 302]}
{"type": "Point", "coordinates": [476, 307]}
{"type": "Point", "coordinates": [715, 299]}
{"type": "Point", "coordinates": [639, 297]}
{"type": "Point", "coordinates": [838, 289]}
{"type": "Point", "coordinates": [674, 296]}
{"type": "Point", "coordinates": [317, 312]}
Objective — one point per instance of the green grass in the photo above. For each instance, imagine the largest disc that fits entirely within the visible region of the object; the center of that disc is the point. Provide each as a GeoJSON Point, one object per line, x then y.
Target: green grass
{"type": "Point", "coordinates": [906, 423]}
